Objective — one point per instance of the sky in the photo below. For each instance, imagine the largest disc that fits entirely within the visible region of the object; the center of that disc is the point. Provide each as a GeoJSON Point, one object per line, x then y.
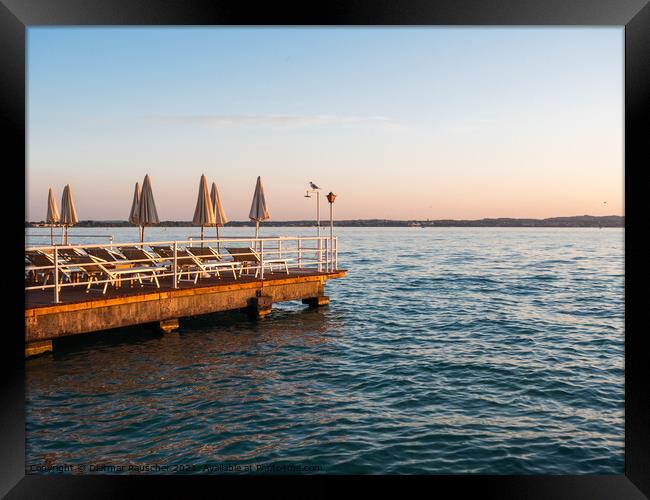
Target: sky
{"type": "Point", "coordinates": [400, 123]}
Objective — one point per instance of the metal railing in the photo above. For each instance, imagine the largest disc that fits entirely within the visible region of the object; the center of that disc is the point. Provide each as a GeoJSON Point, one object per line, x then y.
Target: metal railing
{"type": "Point", "coordinates": [73, 265]}
{"type": "Point", "coordinates": [71, 236]}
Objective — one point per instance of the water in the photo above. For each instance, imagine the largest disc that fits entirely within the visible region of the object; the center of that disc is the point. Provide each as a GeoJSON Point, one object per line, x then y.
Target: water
{"type": "Point", "coordinates": [445, 351]}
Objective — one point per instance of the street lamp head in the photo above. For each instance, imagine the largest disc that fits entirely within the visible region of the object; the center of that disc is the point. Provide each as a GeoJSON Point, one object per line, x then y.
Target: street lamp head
{"type": "Point", "coordinates": [331, 197]}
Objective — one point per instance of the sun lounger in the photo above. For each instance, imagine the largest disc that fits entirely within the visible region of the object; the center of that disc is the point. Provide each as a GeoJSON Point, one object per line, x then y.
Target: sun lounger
{"type": "Point", "coordinates": [143, 258]}
{"type": "Point", "coordinates": [42, 266]}
{"type": "Point", "coordinates": [189, 264]}
{"type": "Point", "coordinates": [69, 253]}
{"type": "Point", "coordinates": [104, 253]}
{"type": "Point", "coordinates": [164, 251]}
{"type": "Point", "coordinates": [248, 256]}
{"type": "Point", "coordinates": [209, 260]}
{"type": "Point", "coordinates": [185, 263]}
{"type": "Point", "coordinates": [96, 268]}
{"type": "Point", "coordinates": [206, 254]}
{"type": "Point", "coordinates": [198, 262]}
{"type": "Point", "coordinates": [183, 260]}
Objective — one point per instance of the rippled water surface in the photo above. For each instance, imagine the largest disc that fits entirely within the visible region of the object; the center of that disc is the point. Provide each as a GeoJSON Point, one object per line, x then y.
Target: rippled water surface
{"type": "Point", "coordinates": [447, 350]}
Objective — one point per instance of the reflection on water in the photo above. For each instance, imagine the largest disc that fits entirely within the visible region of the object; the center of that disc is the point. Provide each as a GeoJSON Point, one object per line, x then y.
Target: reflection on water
{"type": "Point", "coordinates": [443, 351]}
{"type": "Point", "coordinates": [136, 380]}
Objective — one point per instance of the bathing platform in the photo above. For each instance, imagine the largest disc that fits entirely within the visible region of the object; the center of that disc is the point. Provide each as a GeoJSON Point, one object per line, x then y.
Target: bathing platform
{"type": "Point", "coordinates": [297, 271]}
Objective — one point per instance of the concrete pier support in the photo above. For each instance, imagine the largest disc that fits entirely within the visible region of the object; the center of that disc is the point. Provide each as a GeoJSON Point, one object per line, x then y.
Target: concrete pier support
{"type": "Point", "coordinates": [169, 325]}
{"type": "Point", "coordinates": [319, 300]}
{"type": "Point", "coordinates": [259, 307]}
{"type": "Point", "coordinates": [39, 347]}
{"type": "Point", "coordinates": [313, 302]}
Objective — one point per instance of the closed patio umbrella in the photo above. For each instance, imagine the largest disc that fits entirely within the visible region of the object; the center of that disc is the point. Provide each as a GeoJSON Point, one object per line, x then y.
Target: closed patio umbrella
{"type": "Point", "coordinates": [147, 215]}
{"type": "Point", "coordinates": [68, 210]}
{"type": "Point", "coordinates": [204, 212]}
{"type": "Point", "coordinates": [52, 214]}
{"type": "Point", "coordinates": [258, 206]}
{"type": "Point", "coordinates": [134, 215]}
{"type": "Point", "coordinates": [220, 218]}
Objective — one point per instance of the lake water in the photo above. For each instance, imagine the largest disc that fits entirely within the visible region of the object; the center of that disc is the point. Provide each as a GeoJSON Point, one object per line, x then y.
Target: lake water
{"type": "Point", "coordinates": [443, 350]}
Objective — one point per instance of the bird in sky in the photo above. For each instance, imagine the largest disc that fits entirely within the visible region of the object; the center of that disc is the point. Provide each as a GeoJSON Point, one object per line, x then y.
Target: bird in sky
{"type": "Point", "coordinates": [313, 186]}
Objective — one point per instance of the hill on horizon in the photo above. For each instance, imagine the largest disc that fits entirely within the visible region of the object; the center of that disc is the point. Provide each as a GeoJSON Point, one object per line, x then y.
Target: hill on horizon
{"type": "Point", "coordinates": [570, 221]}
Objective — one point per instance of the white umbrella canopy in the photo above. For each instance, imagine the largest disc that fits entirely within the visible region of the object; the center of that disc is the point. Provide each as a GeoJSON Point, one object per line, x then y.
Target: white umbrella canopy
{"type": "Point", "coordinates": [147, 215]}
{"type": "Point", "coordinates": [52, 216]}
{"type": "Point", "coordinates": [258, 206]}
{"type": "Point", "coordinates": [204, 212]}
{"type": "Point", "coordinates": [134, 215]}
{"type": "Point", "coordinates": [68, 210]}
{"type": "Point", "coordinates": [220, 218]}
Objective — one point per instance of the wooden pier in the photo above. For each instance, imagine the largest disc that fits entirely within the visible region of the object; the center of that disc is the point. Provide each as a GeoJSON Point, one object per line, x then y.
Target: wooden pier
{"type": "Point", "coordinates": [79, 312]}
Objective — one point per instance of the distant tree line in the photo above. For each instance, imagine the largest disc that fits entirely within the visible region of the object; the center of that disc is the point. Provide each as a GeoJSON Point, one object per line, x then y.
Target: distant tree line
{"type": "Point", "coordinates": [576, 221]}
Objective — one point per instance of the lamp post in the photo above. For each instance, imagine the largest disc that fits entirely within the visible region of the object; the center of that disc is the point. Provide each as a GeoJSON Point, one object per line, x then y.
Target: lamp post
{"type": "Point", "coordinates": [330, 198]}
{"type": "Point", "coordinates": [307, 195]}
{"type": "Point", "coordinates": [316, 189]}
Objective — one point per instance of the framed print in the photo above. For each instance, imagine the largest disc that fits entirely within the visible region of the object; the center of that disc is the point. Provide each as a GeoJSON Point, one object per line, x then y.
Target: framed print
{"type": "Point", "coordinates": [364, 239]}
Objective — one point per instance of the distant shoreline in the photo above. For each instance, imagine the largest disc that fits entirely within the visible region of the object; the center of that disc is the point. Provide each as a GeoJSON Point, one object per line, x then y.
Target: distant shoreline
{"type": "Point", "coordinates": [575, 221]}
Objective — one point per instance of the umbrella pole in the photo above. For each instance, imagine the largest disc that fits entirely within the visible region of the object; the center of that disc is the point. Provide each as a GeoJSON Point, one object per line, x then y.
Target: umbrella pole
{"type": "Point", "coordinates": [218, 242]}
{"type": "Point", "coordinates": [257, 232]}
{"type": "Point", "coordinates": [52, 234]}
{"type": "Point", "coordinates": [201, 235]}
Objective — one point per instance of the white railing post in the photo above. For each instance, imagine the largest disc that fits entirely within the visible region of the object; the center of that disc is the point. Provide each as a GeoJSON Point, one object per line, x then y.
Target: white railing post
{"type": "Point", "coordinates": [175, 265]}
{"type": "Point", "coordinates": [262, 259]}
{"type": "Point", "coordinates": [330, 255]}
{"type": "Point", "coordinates": [331, 244]}
{"type": "Point", "coordinates": [56, 275]}
{"type": "Point", "coordinates": [320, 255]}
{"type": "Point", "coordinates": [327, 263]}
{"type": "Point", "coordinates": [336, 252]}
{"type": "Point", "coordinates": [299, 253]}
{"type": "Point", "coordinates": [331, 248]}
{"type": "Point", "coordinates": [331, 231]}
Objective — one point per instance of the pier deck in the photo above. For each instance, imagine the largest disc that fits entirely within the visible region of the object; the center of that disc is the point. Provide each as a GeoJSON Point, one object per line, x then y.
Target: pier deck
{"type": "Point", "coordinates": [80, 312]}
{"type": "Point", "coordinates": [64, 307]}
{"type": "Point", "coordinates": [71, 295]}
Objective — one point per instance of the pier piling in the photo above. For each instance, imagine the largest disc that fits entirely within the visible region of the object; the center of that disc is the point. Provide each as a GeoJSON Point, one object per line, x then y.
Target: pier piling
{"type": "Point", "coordinates": [39, 347]}
{"type": "Point", "coordinates": [259, 307]}
{"type": "Point", "coordinates": [169, 325]}
{"type": "Point", "coordinates": [313, 302]}
{"type": "Point", "coordinates": [319, 300]}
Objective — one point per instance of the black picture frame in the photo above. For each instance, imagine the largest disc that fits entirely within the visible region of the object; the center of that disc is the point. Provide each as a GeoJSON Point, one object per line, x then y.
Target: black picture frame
{"type": "Point", "coordinates": [17, 15]}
